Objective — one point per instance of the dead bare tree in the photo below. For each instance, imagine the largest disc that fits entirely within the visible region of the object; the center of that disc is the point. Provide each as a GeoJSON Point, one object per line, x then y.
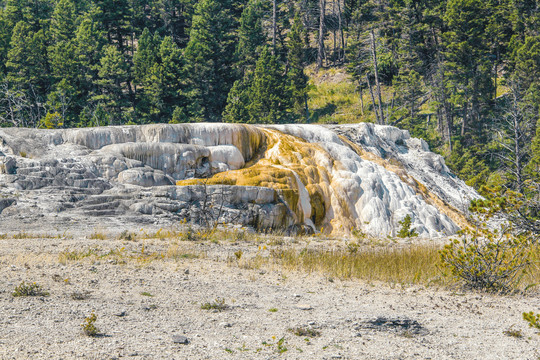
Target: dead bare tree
{"type": "Point", "coordinates": [514, 130]}
{"type": "Point", "coordinates": [322, 30]}
{"type": "Point", "coordinates": [376, 71]}
{"type": "Point", "coordinates": [13, 105]}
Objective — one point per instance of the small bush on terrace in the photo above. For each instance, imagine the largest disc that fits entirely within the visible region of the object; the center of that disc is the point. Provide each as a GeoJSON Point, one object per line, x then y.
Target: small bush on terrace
{"type": "Point", "coordinates": [27, 289]}
{"type": "Point", "coordinates": [533, 320]}
{"type": "Point", "coordinates": [487, 259]}
{"type": "Point", "coordinates": [88, 326]}
{"type": "Point", "coordinates": [406, 230]}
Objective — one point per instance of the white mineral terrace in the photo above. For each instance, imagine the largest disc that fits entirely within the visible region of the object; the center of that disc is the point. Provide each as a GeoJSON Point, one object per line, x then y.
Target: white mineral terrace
{"type": "Point", "coordinates": [345, 177]}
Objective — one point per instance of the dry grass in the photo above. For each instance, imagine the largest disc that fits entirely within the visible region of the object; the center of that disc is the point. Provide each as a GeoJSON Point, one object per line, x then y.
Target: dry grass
{"type": "Point", "coordinates": [122, 255]}
{"type": "Point", "coordinates": [410, 264]}
{"type": "Point", "coordinates": [414, 264]}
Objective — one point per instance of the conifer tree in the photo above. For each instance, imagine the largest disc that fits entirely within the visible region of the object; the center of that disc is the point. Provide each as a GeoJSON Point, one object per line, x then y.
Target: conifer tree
{"type": "Point", "coordinates": [112, 73]}
{"type": "Point", "coordinates": [63, 21]}
{"type": "Point", "coordinates": [297, 79]}
{"type": "Point", "coordinates": [162, 81]}
{"type": "Point", "coordinates": [250, 35]}
{"type": "Point", "coordinates": [209, 57]}
{"type": "Point", "coordinates": [27, 65]}
{"type": "Point", "coordinates": [268, 98]}
{"type": "Point", "coordinates": [145, 58]}
{"type": "Point", "coordinates": [238, 100]}
{"type": "Point", "coordinates": [89, 42]}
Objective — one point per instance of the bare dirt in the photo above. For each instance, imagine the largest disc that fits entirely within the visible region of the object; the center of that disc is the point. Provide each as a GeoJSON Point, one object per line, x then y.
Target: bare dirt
{"type": "Point", "coordinates": [144, 301]}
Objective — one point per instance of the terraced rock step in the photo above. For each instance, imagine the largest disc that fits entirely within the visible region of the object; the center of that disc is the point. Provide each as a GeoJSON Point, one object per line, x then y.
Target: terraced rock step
{"type": "Point", "coordinates": [336, 178]}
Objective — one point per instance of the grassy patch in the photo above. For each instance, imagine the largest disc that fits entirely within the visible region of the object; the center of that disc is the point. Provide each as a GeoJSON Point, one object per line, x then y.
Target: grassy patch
{"type": "Point", "coordinates": [413, 264]}
{"type": "Point", "coordinates": [29, 289]}
{"type": "Point", "coordinates": [218, 304]}
{"type": "Point", "coordinates": [305, 332]}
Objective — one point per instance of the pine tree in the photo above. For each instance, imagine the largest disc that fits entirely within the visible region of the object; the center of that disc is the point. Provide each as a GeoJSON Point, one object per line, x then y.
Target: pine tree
{"type": "Point", "coordinates": [268, 98]}
{"type": "Point", "coordinates": [162, 80]}
{"type": "Point", "coordinates": [145, 58]}
{"type": "Point", "coordinates": [170, 79]}
{"type": "Point", "coordinates": [238, 100]}
{"type": "Point", "coordinates": [297, 79]}
{"type": "Point", "coordinates": [33, 12]}
{"type": "Point", "coordinates": [89, 42]}
{"type": "Point", "coordinates": [112, 74]}
{"type": "Point", "coordinates": [27, 65]}
{"type": "Point", "coordinates": [5, 37]}
{"type": "Point", "coordinates": [209, 57]}
{"type": "Point", "coordinates": [115, 17]}
{"type": "Point", "coordinates": [250, 35]}
{"type": "Point", "coordinates": [63, 21]}
{"type": "Point", "coordinates": [468, 67]}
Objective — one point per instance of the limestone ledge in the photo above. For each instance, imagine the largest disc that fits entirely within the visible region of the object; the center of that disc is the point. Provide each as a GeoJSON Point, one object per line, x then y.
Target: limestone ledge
{"type": "Point", "coordinates": [334, 179]}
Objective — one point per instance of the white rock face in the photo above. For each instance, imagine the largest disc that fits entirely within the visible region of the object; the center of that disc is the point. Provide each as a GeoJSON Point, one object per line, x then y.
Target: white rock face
{"type": "Point", "coordinates": [345, 177]}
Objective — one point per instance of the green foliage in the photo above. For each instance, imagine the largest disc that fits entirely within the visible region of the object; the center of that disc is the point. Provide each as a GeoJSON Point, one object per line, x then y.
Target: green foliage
{"type": "Point", "coordinates": [209, 56]}
{"type": "Point", "coordinates": [250, 35]}
{"type": "Point", "coordinates": [88, 326]}
{"type": "Point", "coordinates": [406, 230]}
{"type": "Point", "coordinates": [297, 86]}
{"type": "Point", "coordinates": [218, 305]}
{"type": "Point", "coordinates": [51, 121]}
{"type": "Point", "coordinates": [29, 289]}
{"type": "Point", "coordinates": [486, 259]}
{"type": "Point", "coordinates": [305, 332]}
{"type": "Point", "coordinates": [533, 319]}
{"type": "Point", "coordinates": [261, 96]}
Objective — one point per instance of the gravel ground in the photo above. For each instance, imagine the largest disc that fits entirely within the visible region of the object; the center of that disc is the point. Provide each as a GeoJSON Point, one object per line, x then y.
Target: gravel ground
{"type": "Point", "coordinates": [144, 304]}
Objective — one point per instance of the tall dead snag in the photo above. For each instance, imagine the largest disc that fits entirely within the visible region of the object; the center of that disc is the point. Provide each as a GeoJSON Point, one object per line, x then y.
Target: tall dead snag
{"type": "Point", "coordinates": [320, 54]}
{"type": "Point", "coordinates": [373, 99]}
{"type": "Point", "coordinates": [340, 25]}
{"type": "Point", "coordinates": [376, 70]}
{"type": "Point", "coordinates": [274, 26]}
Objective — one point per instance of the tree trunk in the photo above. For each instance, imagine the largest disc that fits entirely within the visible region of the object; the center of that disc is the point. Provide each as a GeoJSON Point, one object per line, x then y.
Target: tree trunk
{"type": "Point", "coordinates": [517, 152]}
{"type": "Point", "coordinates": [465, 119]}
{"type": "Point", "coordinates": [362, 101]}
{"type": "Point", "coordinates": [334, 33]}
{"type": "Point", "coordinates": [320, 54]}
{"type": "Point", "coordinates": [342, 52]}
{"type": "Point", "coordinates": [373, 100]}
{"type": "Point", "coordinates": [376, 69]}
{"type": "Point", "coordinates": [274, 26]}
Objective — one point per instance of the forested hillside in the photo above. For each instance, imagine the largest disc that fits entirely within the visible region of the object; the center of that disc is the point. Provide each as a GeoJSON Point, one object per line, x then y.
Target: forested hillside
{"type": "Point", "coordinates": [463, 74]}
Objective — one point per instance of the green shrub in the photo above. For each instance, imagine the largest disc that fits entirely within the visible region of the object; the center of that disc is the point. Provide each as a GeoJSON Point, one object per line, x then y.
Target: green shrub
{"type": "Point", "coordinates": [88, 326]}
{"type": "Point", "coordinates": [486, 259]}
{"type": "Point", "coordinates": [533, 320]}
{"type": "Point", "coordinates": [218, 304]}
{"type": "Point", "coordinates": [305, 332]}
{"type": "Point", "coordinates": [26, 289]}
{"type": "Point", "coordinates": [405, 230]}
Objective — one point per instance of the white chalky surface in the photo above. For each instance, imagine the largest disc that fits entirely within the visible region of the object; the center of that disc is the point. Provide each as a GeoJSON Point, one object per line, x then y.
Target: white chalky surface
{"type": "Point", "coordinates": [451, 324]}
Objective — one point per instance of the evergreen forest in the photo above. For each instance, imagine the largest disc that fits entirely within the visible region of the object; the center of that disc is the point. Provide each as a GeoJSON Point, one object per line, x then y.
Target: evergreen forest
{"type": "Point", "coordinates": [462, 74]}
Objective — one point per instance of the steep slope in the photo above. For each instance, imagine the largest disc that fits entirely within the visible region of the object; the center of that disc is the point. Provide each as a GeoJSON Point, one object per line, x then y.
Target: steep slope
{"type": "Point", "coordinates": [333, 178]}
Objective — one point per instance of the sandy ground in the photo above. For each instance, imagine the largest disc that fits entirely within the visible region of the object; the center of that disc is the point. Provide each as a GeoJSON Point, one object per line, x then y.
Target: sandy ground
{"type": "Point", "coordinates": [142, 305]}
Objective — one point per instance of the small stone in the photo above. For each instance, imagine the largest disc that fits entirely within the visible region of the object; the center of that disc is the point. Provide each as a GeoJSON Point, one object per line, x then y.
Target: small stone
{"type": "Point", "coordinates": [120, 313]}
{"type": "Point", "coordinates": [225, 325]}
{"type": "Point", "coordinates": [304, 307]}
{"type": "Point", "coordinates": [179, 339]}
{"type": "Point", "coordinates": [186, 271]}
{"type": "Point", "coordinates": [311, 323]}
{"type": "Point", "coordinates": [296, 295]}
